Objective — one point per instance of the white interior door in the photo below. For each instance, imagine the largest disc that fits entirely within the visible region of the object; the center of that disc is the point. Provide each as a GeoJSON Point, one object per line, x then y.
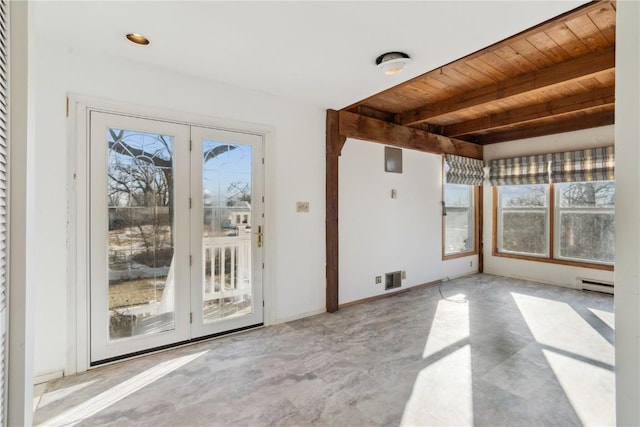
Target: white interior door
{"type": "Point", "coordinates": [227, 224]}
{"type": "Point", "coordinates": [139, 195]}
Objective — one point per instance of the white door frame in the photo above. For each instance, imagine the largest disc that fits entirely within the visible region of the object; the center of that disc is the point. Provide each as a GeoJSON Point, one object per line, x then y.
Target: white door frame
{"type": "Point", "coordinates": [79, 106]}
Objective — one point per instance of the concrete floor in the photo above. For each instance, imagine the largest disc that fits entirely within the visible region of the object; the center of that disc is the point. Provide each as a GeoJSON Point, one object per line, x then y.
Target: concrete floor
{"type": "Point", "coordinates": [497, 352]}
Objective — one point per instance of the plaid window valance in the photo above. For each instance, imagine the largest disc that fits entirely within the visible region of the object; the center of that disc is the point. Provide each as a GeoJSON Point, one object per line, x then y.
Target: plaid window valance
{"type": "Point", "coordinates": [520, 170]}
{"type": "Point", "coordinates": [595, 164]}
{"type": "Point", "coordinates": [464, 170]}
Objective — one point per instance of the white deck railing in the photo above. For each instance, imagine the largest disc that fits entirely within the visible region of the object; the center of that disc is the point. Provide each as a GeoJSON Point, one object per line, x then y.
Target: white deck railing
{"type": "Point", "coordinates": [228, 259]}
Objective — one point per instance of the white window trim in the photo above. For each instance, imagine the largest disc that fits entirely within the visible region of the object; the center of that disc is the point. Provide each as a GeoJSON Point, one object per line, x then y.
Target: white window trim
{"type": "Point", "coordinates": [557, 228]}
{"type": "Point", "coordinates": [471, 213]}
{"type": "Point", "coordinates": [546, 209]}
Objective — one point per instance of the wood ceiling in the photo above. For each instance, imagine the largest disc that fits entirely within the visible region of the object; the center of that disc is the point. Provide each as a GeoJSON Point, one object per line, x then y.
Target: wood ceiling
{"type": "Point", "coordinates": [556, 77]}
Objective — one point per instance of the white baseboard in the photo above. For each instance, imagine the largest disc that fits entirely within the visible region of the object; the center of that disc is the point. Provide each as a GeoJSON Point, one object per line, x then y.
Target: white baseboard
{"type": "Point", "coordinates": [532, 279]}
{"type": "Point", "coordinates": [43, 378]}
{"type": "Point", "coordinates": [300, 316]}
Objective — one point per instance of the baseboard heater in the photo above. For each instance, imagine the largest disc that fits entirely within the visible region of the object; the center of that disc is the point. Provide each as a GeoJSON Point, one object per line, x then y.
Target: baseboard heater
{"type": "Point", "coordinates": [595, 285]}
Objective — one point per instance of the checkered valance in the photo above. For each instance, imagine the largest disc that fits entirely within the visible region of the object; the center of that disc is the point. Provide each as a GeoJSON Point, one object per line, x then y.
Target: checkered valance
{"type": "Point", "coordinates": [595, 164]}
{"type": "Point", "coordinates": [520, 170]}
{"type": "Point", "coordinates": [464, 170]}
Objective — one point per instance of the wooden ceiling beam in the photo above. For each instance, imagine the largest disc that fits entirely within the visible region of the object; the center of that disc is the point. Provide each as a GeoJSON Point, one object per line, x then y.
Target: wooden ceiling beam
{"type": "Point", "coordinates": [584, 121]}
{"type": "Point", "coordinates": [592, 7]}
{"type": "Point", "coordinates": [557, 74]}
{"type": "Point", "coordinates": [557, 107]}
{"type": "Point", "coordinates": [368, 129]}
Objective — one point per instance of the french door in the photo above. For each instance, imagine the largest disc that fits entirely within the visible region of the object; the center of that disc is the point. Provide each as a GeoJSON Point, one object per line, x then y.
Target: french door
{"type": "Point", "coordinates": [176, 233]}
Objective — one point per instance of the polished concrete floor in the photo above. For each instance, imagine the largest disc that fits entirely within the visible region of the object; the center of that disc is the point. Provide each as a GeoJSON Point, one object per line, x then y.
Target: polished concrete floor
{"type": "Point", "coordinates": [496, 352]}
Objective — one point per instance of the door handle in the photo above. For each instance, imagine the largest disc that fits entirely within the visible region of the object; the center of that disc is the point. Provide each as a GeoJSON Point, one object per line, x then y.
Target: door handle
{"type": "Point", "coordinates": [259, 234]}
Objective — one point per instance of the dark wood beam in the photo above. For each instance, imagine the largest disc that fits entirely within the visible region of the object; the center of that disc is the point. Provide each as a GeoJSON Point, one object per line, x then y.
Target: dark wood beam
{"type": "Point", "coordinates": [363, 110]}
{"type": "Point", "coordinates": [365, 128]}
{"type": "Point", "coordinates": [583, 121]}
{"type": "Point", "coordinates": [334, 143]}
{"type": "Point", "coordinates": [571, 104]}
{"type": "Point", "coordinates": [562, 73]}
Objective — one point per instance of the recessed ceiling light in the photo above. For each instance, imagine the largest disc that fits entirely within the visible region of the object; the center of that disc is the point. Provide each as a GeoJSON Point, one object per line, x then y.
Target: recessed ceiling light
{"type": "Point", "coordinates": [392, 62]}
{"type": "Point", "coordinates": [138, 39]}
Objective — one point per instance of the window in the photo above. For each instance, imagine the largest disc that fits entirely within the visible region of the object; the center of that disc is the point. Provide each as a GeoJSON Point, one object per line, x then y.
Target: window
{"type": "Point", "coordinates": [459, 224]}
{"type": "Point", "coordinates": [524, 219]}
{"type": "Point", "coordinates": [566, 223]}
{"type": "Point", "coordinates": [585, 224]}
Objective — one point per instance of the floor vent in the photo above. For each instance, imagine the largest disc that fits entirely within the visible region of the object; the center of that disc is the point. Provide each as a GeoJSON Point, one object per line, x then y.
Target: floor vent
{"type": "Point", "coordinates": [595, 285]}
{"type": "Point", "coordinates": [393, 280]}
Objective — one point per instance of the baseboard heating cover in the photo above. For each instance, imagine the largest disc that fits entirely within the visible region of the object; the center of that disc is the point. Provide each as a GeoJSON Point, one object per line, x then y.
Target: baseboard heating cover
{"type": "Point", "coordinates": [595, 285]}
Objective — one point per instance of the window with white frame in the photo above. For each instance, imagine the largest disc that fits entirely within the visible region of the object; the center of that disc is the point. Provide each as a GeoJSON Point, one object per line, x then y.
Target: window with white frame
{"type": "Point", "coordinates": [557, 207]}
{"type": "Point", "coordinates": [462, 176]}
{"type": "Point", "coordinates": [459, 214]}
{"type": "Point", "coordinates": [523, 219]}
{"type": "Point", "coordinates": [584, 221]}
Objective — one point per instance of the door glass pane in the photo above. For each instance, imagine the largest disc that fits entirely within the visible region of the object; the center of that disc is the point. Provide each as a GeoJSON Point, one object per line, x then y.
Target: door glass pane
{"type": "Point", "coordinates": [226, 240]}
{"type": "Point", "coordinates": [140, 247]}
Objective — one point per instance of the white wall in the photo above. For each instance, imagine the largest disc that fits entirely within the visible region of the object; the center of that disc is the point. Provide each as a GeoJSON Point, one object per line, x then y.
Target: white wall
{"type": "Point", "coordinates": [379, 234]}
{"type": "Point", "coordinates": [627, 275]}
{"type": "Point", "coordinates": [555, 274]}
{"type": "Point", "coordinates": [294, 242]}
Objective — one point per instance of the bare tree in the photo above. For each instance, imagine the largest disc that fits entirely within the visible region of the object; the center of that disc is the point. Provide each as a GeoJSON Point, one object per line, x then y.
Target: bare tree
{"type": "Point", "coordinates": [141, 186]}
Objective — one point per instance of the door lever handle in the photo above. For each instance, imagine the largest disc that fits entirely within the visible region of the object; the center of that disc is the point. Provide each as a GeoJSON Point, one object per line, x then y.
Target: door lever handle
{"type": "Point", "coordinates": [259, 234]}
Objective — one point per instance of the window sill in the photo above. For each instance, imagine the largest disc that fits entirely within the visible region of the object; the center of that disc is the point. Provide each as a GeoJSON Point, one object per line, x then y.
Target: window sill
{"type": "Point", "coordinates": [555, 261]}
{"type": "Point", "coordinates": [459, 255]}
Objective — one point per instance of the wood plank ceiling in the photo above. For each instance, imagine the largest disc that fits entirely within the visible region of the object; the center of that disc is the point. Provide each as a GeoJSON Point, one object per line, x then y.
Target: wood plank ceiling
{"type": "Point", "coordinates": [556, 77]}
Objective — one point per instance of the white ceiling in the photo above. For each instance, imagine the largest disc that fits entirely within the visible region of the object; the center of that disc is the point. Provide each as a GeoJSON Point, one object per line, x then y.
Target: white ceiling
{"type": "Point", "coordinates": [322, 53]}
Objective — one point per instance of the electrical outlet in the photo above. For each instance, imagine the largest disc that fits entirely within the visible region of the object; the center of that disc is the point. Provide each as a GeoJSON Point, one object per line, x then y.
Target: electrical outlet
{"type": "Point", "coordinates": [404, 274]}
{"type": "Point", "coordinates": [302, 207]}
{"type": "Point", "coordinates": [378, 279]}
{"type": "Point", "coordinates": [470, 263]}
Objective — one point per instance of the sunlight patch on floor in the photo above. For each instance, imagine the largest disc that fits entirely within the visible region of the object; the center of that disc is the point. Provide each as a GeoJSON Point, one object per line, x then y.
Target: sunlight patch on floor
{"type": "Point", "coordinates": [451, 403]}
{"type": "Point", "coordinates": [54, 396]}
{"type": "Point", "coordinates": [107, 398]}
{"type": "Point", "coordinates": [450, 325]}
{"type": "Point", "coordinates": [581, 359]}
{"type": "Point", "coordinates": [583, 383]}
{"type": "Point", "coordinates": [606, 316]}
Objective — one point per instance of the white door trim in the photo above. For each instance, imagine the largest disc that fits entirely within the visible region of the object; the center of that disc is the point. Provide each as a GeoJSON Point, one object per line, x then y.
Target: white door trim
{"type": "Point", "coordinates": [79, 107]}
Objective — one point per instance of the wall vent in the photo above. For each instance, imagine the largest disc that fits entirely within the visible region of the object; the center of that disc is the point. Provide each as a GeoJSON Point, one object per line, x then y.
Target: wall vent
{"type": "Point", "coordinates": [595, 285]}
{"type": "Point", "coordinates": [393, 280]}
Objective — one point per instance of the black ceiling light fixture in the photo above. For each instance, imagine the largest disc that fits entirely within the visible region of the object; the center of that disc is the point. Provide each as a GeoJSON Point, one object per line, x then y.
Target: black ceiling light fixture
{"type": "Point", "coordinates": [392, 62]}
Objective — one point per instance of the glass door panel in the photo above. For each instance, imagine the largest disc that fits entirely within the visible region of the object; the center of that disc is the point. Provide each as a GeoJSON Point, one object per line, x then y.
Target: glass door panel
{"type": "Point", "coordinates": [135, 277]}
{"type": "Point", "coordinates": [226, 238]}
{"type": "Point", "coordinates": [176, 233]}
{"type": "Point", "coordinates": [140, 252]}
{"type": "Point", "coordinates": [228, 190]}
